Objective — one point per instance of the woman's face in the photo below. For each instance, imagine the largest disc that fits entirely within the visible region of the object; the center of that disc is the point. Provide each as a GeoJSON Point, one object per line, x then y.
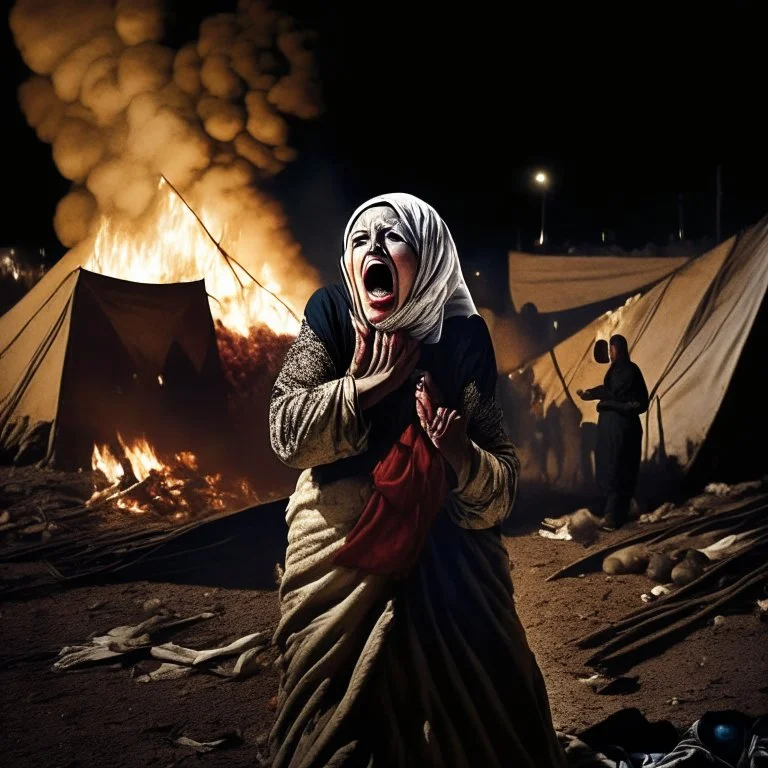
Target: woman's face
{"type": "Point", "coordinates": [380, 263]}
{"type": "Point", "coordinates": [613, 352]}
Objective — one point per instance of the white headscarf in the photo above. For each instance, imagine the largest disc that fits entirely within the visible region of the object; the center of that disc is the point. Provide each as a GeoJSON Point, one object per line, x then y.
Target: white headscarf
{"type": "Point", "coordinates": [439, 290]}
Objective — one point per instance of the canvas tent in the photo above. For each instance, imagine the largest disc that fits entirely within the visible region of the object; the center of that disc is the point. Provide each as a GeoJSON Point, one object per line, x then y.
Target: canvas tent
{"type": "Point", "coordinates": [85, 356]}
{"type": "Point", "coordinates": [686, 333]}
{"type": "Point", "coordinates": [561, 283]}
{"type": "Point", "coordinates": [554, 296]}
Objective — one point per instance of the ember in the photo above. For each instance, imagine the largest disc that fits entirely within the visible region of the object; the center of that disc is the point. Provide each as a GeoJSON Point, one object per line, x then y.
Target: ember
{"type": "Point", "coordinates": [252, 361]}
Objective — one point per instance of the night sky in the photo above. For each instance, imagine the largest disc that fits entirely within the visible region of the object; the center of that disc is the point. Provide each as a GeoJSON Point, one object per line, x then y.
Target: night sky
{"type": "Point", "coordinates": [625, 105]}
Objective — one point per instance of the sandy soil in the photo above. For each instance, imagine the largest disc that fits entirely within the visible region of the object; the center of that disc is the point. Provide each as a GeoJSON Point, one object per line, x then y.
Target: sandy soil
{"type": "Point", "coordinates": [101, 716]}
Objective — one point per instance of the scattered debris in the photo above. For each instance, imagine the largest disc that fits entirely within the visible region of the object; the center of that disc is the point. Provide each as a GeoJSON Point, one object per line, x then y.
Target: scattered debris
{"type": "Point", "coordinates": [562, 534]}
{"type": "Point", "coordinates": [607, 686]}
{"type": "Point", "coordinates": [153, 605]}
{"type": "Point", "coordinates": [723, 489]}
{"type": "Point", "coordinates": [239, 659]}
{"type": "Point", "coordinates": [247, 649]}
{"type": "Point", "coordinates": [121, 641]}
{"type": "Point", "coordinates": [580, 526]}
{"type": "Point", "coordinates": [656, 592]}
{"type": "Point", "coordinates": [715, 494]}
{"type": "Point", "coordinates": [720, 561]}
{"type": "Point", "coordinates": [666, 511]}
{"type": "Point", "coordinates": [166, 672]}
{"type": "Point", "coordinates": [228, 740]}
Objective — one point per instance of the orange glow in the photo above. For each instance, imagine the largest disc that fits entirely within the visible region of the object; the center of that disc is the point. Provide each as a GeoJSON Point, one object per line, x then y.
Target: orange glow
{"type": "Point", "coordinates": [170, 246]}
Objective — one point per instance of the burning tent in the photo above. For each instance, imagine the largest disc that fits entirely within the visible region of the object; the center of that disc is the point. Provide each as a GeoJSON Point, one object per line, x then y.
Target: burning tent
{"type": "Point", "coordinates": [138, 366]}
{"type": "Point", "coordinates": [687, 333]}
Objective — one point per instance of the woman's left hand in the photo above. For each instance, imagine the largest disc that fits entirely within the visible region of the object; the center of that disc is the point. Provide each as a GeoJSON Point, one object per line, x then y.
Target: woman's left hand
{"type": "Point", "coordinates": [448, 433]}
{"type": "Point", "coordinates": [443, 426]}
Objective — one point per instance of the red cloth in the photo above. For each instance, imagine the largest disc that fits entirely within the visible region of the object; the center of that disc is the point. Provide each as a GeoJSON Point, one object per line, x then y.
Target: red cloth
{"type": "Point", "coordinates": [410, 487]}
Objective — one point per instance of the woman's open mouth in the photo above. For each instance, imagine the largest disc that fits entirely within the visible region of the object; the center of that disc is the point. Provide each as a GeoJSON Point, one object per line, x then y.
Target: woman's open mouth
{"type": "Point", "coordinates": [379, 282]}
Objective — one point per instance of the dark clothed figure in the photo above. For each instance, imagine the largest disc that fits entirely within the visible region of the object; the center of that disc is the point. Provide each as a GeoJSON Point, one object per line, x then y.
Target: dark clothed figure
{"type": "Point", "coordinates": [622, 397]}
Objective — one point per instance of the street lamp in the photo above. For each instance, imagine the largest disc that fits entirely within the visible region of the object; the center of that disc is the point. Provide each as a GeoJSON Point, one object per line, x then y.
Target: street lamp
{"type": "Point", "coordinates": [542, 180]}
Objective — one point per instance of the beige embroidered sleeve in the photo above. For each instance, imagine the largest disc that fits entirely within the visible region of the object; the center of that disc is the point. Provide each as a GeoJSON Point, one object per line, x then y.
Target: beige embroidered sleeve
{"type": "Point", "coordinates": [314, 416]}
{"type": "Point", "coordinates": [486, 489]}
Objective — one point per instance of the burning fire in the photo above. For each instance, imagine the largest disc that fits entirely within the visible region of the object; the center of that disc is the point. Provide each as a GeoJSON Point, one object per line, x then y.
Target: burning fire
{"type": "Point", "coordinates": [140, 456]}
{"type": "Point", "coordinates": [176, 489]}
{"type": "Point", "coordinates": [253, 331]}
{"type": "Point", "coordinates": [172, 247]}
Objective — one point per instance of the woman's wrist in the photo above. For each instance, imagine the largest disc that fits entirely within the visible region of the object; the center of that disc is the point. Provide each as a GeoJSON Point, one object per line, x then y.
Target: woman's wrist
{"type": "Point", "coordinates": [459, 457]}
{"type": "Point", "coordinates": [369, 390]}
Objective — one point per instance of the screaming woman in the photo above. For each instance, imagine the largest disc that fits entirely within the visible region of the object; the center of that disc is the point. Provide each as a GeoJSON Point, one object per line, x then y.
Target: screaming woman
{"type": "Point", "coordinates": [399, 641]}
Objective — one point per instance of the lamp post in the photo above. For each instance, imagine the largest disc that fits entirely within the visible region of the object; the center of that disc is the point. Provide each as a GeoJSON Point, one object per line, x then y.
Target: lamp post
{"type": "Point", "coordinates": [542, 180]}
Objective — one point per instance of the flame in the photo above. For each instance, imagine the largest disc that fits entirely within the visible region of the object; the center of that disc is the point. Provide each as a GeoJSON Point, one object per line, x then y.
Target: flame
{"type": "Point", "coordinates": [170, 246]}
{"type": "Point", "coordinates": [141, 457]}
{"type": "Point", "coordinates": [131, 506]}
{"type": "Point", "coordinates": [105, 462]}
{"type": "Point", "coordinates": [176, 488]}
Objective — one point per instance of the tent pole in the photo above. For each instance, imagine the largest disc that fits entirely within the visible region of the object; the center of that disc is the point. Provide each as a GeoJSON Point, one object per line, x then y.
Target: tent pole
{"type": "Point", "coordinates": [227, 258]}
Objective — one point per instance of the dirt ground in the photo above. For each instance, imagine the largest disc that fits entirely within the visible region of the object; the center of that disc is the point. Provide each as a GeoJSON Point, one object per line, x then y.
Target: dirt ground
{"type": "Point", "coordinates": [102, 716]}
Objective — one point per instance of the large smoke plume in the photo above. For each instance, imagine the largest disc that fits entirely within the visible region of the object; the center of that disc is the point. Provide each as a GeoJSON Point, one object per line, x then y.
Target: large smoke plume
{"type": "Point", "coordinates": [120, 109]}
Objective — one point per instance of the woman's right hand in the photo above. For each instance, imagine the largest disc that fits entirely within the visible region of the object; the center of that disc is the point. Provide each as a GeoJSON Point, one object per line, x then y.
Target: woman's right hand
{"type": "Point", "coordinates": [581, 393]}
{"type": "Point", "coordinates": [381, 363]}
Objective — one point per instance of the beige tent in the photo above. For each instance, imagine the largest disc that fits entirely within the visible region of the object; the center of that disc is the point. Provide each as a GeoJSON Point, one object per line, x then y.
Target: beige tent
{"type": "Point", "coordinates": [87, 357]}
{"type": "Point", "coordinates": [686, 333]}
{"type": "Point", "coordinates": [554, 296]}
{"type": "Point", "coordinates": [560, 283]}
{"type": "Point", "coordinates": [84, 356]}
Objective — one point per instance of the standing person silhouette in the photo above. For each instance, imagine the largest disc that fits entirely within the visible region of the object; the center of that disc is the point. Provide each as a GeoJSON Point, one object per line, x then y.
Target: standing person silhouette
{"type": "Point", "coordinates": [622, 397]}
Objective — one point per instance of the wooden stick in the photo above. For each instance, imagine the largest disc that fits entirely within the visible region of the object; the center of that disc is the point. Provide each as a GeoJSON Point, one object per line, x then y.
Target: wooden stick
{"type": "Point", "coordinates": [229, 259]}
{"type": "Point", "coordinates": [144, 542]}
{"type": "Point", "coordinates": [641, 620]}
{"type": "Point", "coordinates": [673, 598]}
{"type": "Point", "coordinates": [636, 650]}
